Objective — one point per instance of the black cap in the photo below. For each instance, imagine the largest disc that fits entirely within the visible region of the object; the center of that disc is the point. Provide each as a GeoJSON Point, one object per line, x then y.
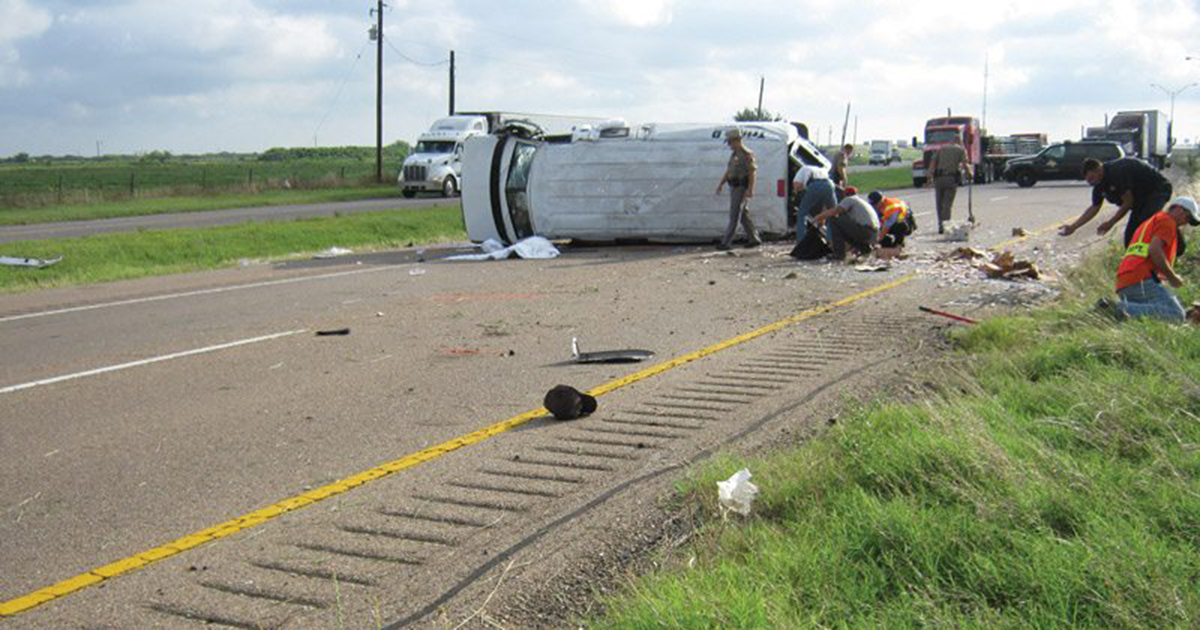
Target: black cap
{"type": "Point", "coordinates": [875, 197]}
{"type": "Point", "coordinates": [568, 403]}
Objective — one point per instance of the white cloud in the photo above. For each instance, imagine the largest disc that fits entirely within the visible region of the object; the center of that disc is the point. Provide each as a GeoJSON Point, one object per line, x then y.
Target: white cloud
{"type": "Point", "coordinates": [18, 21]}
{"type": "Point", "coordinates": [635, 13]}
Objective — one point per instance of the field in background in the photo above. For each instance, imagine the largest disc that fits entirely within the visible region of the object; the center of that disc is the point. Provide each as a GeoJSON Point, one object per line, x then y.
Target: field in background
{"type": "Point", "coordinates": [27, 182]}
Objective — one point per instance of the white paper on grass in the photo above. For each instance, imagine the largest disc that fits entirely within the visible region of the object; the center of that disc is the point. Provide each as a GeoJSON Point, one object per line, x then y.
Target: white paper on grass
{"type": "Point", "coordinates": [534, 247]}
{"type": "Point", "coordinates": [36, 263]}
{"type": "Point", "coordinates": [737, 493]}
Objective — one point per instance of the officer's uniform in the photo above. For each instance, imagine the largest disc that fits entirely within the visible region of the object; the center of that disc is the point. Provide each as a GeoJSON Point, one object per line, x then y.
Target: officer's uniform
{"type": "Point", "coordinates": [737, 175]}
{"type": "Point", "coordinates": [945, 173]}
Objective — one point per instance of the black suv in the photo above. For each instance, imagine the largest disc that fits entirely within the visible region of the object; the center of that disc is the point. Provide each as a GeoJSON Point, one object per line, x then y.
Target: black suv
{"type": "Point", "coordinates": [1059, 161]}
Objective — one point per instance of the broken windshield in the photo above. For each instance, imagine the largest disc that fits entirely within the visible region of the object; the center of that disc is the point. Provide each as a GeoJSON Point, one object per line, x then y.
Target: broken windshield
{"type": "Point", "coordinates": [516, 188]}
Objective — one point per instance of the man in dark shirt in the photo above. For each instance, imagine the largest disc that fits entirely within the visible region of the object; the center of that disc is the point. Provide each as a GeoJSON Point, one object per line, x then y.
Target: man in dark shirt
{"type": "Point", "coordinates": [1131, 184]}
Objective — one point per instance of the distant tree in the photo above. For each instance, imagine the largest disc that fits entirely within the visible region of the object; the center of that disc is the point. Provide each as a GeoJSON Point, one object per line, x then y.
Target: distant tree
{"type": "Point", "coordinates": [21, 158]}
{"type": "Point", "coordinates": [751, 114]}
{"type": "Point", "coordinates": [156, 156]}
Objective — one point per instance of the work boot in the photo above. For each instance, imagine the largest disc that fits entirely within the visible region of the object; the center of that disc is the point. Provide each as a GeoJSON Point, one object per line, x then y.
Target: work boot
{"type": "Point", "coordinates": [724, 247]}
{"type": "Point", "coordinates": [1110, 308]}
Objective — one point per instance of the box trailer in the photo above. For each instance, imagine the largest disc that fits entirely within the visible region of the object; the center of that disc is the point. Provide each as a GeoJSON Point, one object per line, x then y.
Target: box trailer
{"type": "Point", "coordinates": [652, 182]}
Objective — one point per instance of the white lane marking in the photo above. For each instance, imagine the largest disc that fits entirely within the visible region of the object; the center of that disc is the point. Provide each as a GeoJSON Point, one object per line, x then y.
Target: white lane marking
{"type": "Point", "coordinates": [165, 357]}
{"type": "Point", "coordinates": [171, 296]}
{"type": "Point", "coordinates": [923, 214]}
{"type": "Point", "coordinates": [998, 198]}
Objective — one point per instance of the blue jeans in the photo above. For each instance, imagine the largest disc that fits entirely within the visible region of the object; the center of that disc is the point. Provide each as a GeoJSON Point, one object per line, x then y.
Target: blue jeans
{"type": "Point", "coordinates": [1151, 299]}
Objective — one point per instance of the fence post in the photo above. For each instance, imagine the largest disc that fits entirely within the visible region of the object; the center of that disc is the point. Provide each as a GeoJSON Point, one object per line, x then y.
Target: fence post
{"type": "Point", "coordinates": [342, 178]}
{"type": "Point", "coordinates": [203, 178]}
{"type": "Point", "coordinates": [60, 187]}
{"type": "Point", "coordinates": [132, 175]}
{"type": "Point", "coordinates": [250, 176]}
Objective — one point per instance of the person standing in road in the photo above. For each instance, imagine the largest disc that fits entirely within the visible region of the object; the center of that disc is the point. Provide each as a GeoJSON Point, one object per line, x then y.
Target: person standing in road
{"type": "Point", "coordinates": [740, 175]}
{"type": "Point", "coordinates": [840, 162]}
{"type": "Point", "coordinates": [1149, 261]}
{"type": "Point", "coordinates": [946, 168]}
{"type": "Point", "coordinates": [1132, 184]}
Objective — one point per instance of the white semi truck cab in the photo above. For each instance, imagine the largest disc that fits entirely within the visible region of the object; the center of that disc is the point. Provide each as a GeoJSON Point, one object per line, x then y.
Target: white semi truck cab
{"type": "Point", "coordinates": [435, 164]}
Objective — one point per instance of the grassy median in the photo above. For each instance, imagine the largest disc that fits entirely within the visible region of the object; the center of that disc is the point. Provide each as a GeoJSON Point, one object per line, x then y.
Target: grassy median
{"type": "Point", "coordinates": [108, 257]}
{"type": "Point", "coordinates": [142, 206]}
{"type": "Point", "coordinates": [1052, 481]}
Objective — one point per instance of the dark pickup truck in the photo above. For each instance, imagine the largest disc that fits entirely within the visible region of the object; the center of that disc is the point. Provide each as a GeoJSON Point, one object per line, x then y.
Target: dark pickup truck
{"type": "Point", "coordinates": [1059, 161]}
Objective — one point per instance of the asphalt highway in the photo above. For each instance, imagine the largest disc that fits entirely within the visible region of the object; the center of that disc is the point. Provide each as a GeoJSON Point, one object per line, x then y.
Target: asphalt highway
{"type": "Point", "coordinates": [138, 413]}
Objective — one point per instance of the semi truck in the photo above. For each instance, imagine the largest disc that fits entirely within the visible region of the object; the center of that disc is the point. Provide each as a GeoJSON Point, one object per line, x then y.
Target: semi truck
{"type": "Point", "coordinates": [944, 130]}
{"type": "Point", "coordinates": [652, 182]}
{"type": "Point", "coordinates": [435, 163]}
{"type": "Point", "coordinates": [1144, 133]}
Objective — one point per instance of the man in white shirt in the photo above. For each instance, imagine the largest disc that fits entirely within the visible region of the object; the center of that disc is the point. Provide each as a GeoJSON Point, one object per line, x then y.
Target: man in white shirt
{"type": "Point", "coordinates": [851, 222]}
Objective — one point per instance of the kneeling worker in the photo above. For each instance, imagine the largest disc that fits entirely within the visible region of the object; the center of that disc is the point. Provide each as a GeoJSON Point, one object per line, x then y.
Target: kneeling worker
{"type": "Point", "coordinates": [895, 219]}
{"type": "Point", "coordinates": [852, 221]}
{"type": "Point", "coordinates": [1150, 260]}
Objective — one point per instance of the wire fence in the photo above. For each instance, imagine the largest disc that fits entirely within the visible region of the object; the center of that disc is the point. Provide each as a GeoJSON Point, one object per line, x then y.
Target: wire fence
{"type": "Point", "coordinates": [36, 185]}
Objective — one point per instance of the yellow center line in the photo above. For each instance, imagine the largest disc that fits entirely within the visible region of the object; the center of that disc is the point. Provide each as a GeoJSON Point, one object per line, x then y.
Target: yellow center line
{"type": "Point", "coordinates": [258, 517]}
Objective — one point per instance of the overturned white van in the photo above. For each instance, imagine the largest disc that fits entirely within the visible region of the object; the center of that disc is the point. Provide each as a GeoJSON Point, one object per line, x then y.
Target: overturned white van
{"type": "Point", "coordinates": [652, 182]}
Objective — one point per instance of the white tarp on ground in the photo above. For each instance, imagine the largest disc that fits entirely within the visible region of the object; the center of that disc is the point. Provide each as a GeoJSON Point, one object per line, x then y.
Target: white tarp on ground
{"type": "Point", "coordinates": [534, 247]}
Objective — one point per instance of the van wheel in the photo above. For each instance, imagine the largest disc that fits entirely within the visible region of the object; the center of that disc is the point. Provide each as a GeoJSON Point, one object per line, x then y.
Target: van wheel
{"type": "Point", "coordinates": [408, 194]}
{"type": "Point", "coordinates": [918, 182]}
{"type": "Point", "coordinates": [1025, 179]}
{"type": "Point", "coordinates": [449, 187]}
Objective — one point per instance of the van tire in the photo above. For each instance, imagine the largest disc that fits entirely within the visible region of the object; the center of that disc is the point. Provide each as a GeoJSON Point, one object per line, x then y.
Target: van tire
{"type": "Point", "coordinates": [408, 194]}
{"type": "Point", "coordinates": [1025, 179]}
{"type": "Point", "coordinates": [449, 187]}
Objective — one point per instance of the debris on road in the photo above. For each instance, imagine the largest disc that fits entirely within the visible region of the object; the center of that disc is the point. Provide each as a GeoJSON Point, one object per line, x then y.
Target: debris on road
{"type": "Point", "coordinates": [36, 263]}
{"type": "Point", "coordinates": [567, 403]}
{"type": "Point", "coordinates": [1005, 266]}
{"type": "Point", "coordinates": [332, 252]}
{"type": "Point", "coordinates": [736, 494]}
{"type": "Point", "coordinates": [416, 271]}
{"type": "Point", "coordinates": [958, 232]}
{"type": "Point", "coordinates": [1019, 232]}
{"type": "Point", "coordinates": [333, 332]}
{"type": "Point", "coordinates": [608, 356]}
{"type": "Point", "coordinates": [533, 248]}
{"type": "Point", "coordinates": [873, 267]}
{"type": "Point", "coordinates": [959, 318]}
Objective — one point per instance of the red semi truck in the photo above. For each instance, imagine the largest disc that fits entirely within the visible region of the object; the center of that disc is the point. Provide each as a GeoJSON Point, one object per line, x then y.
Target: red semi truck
{"type": "Point", "coordinates": [946, 129]}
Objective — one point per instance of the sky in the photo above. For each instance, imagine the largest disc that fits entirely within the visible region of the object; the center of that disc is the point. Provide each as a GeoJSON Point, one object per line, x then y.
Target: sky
{"type": "Point", "coordinates": [129, 76]}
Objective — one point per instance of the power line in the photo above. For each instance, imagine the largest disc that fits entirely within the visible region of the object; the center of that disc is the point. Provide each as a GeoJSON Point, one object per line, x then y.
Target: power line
{"type": "Point", "coordinates": [336, 96]}
{"type": "Point", "coordinates": [428, 64]}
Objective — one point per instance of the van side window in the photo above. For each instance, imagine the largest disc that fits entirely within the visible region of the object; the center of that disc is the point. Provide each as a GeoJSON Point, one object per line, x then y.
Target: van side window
{"type": "Point", "coordinates": [515, 189]}
{"type": "Point", "coordinates": [1055, 152]}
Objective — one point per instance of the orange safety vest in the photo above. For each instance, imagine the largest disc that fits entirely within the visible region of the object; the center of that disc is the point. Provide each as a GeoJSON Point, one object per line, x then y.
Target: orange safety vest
{"type": "Point", "coordinates": [1136, 265]}
{"type": "Point", "coordinates": [893, 206]}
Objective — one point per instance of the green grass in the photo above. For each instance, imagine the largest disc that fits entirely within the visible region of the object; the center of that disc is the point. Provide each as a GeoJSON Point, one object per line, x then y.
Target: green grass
{"type": "Point", "coordinates": [1052, 482]}
{"type": "Point", "coordinates": [109, 257]}
{"type": "Point", "coordinates": [192, 203]}
{"type": "Point", "coordinates": [882, 178]}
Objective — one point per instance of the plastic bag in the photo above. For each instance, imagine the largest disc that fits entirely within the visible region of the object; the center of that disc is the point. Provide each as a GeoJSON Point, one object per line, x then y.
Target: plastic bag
{"type": "Point", "coordinates": [534, 247]}
{"type": "Point", "coordinates": [737, 493]}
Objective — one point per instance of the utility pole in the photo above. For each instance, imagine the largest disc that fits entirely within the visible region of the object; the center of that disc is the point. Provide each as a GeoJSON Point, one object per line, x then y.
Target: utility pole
{"type": "Point", "coordinates": [451, 82]}
{"type": "Point", "coordinates": [845, 123]}
{"type": "Point", "coordinates": [855, 141]}
{"type": "Point", "coordinates": [985, 79]}
{"type": "Point", "coordinates": [762, 81]}
{"type": "Point", "coordinates": [379, 92]}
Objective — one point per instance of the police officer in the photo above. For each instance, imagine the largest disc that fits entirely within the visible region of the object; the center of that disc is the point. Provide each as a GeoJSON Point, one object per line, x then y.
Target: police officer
{"type": "Point", "coordinates": [948, 164]}
{"type": "Point", "coordinates": [740, 175]}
